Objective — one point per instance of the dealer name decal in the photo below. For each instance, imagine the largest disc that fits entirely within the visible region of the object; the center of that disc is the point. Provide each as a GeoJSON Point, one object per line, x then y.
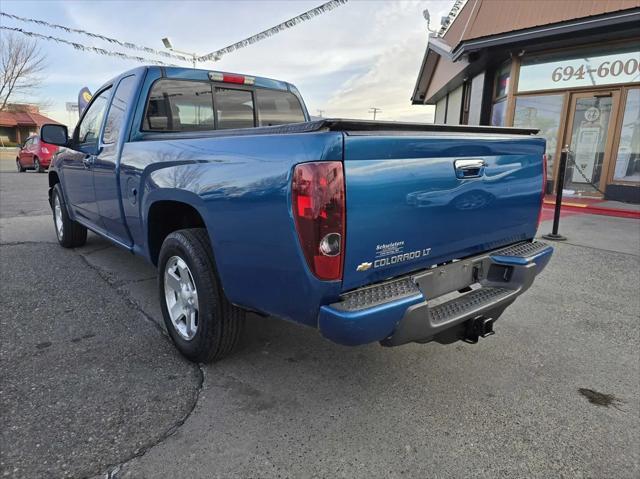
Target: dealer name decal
{"type": "Point", "coordinates": [388, 254]}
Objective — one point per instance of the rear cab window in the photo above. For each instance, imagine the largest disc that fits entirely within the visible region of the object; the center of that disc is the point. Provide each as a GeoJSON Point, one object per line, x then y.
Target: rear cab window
{"type": "Point", "coordinates": [188, 106]}
{"type": "Point", "coordinates": [278, 108]}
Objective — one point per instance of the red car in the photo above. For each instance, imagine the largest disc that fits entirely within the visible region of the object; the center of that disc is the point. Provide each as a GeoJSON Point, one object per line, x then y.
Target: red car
{"type": "Point", "coordinates": [35, 155]}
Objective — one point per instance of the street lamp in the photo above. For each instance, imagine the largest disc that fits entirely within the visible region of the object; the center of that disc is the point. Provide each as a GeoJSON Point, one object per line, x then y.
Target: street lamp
{"type": "Point", "coordinates": [166, 41]}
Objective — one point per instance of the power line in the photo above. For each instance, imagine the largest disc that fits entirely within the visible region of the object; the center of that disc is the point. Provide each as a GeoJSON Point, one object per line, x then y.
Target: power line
{"type": "Point", "coordinates": [375, 111]}
{"type": "Point", "coordinates": [213, 56]}
{"type": "Point", "coordinates": [308, 15]}
{"type": "Point", "coordinates": [303, 17]}
{"type": "Point", "coordinates": [87, 48]}
{"type": "Point", "coordinates": [131, 46]}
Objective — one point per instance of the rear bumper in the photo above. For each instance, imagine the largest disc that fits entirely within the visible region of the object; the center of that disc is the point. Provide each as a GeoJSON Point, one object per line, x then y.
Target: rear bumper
{"type": "Point", "coordinates": [415, 308]}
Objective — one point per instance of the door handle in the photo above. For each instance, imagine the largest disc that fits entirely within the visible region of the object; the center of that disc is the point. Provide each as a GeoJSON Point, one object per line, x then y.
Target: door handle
{"type": "Point", "coordinates": [88, 161]}
{"type": "Point", "coordinates": [473, 168]}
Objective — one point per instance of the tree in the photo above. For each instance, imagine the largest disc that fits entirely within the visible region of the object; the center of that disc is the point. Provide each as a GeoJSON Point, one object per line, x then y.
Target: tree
{"type": "Point", "coordinates": [21, 66]}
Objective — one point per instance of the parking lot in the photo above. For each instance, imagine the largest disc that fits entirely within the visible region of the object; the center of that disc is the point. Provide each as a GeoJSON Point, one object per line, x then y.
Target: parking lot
{"type": "Point", "coordinates": [92, 387]}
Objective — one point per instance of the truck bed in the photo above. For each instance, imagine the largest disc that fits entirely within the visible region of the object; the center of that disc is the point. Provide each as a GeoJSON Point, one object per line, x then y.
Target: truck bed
{"type": "Point", "coordinates": [349, 127]}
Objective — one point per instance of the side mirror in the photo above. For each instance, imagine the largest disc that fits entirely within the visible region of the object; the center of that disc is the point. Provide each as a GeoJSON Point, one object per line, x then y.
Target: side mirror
{"type": "Point", "coordinates": [54, 134]}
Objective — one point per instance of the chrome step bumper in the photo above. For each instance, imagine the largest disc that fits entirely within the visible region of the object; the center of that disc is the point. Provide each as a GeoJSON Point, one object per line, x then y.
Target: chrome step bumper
{"type": "Point", "coordinates": [434, 305]}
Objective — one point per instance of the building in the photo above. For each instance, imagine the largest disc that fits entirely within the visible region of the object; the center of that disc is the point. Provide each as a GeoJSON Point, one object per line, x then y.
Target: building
{"type": "Point", "coordinates": [570, 68]}
{"type": "Point", "coordinates": [18, 121]}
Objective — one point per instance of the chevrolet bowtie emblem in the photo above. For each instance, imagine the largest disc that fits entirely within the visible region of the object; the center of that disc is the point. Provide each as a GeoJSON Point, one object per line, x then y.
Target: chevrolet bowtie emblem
{"type": "Point", "coordinates": [364, 266]}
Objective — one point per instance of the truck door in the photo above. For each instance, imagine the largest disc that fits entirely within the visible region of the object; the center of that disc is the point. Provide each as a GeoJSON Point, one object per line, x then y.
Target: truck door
{"type": "Point", "coordinates": [78, 162]}
{"type": "Point", "coordinates": [105, 168]}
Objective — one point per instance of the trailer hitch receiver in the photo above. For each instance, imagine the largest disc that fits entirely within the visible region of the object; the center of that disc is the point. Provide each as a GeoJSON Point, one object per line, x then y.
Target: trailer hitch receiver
{"type": "Point", "coordinates": [476, 328]}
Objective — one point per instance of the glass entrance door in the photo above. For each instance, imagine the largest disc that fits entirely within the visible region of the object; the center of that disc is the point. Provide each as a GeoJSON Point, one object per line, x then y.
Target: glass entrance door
{"type": "Point", "coordinates": [590, 130]}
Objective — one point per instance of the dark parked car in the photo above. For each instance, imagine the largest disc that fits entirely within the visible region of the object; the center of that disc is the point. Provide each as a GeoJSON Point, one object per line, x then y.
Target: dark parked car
{"type": "Point", "coordinates": [35, 154]}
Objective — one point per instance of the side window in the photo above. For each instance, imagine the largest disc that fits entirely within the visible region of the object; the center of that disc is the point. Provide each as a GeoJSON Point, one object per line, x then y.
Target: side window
{"type": "Point", "coordinates": [89, 129]}
{"type": "Point", "coordinates": [234, 108]}
{"type": "Point", "coordinates": [121, 99]}
{"type": "Point", "coordinates": [179, 105]}
{"type": "Point", "coordinates": [278, 108]}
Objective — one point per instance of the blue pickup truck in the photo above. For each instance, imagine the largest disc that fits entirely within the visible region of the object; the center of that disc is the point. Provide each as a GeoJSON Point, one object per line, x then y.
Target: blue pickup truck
{"type": "Point", "coordinates": [368, 231]}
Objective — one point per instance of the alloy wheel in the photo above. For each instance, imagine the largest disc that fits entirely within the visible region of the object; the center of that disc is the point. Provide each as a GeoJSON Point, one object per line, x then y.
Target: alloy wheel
{"type": "Point", "coordinates": [57, 215]}
{"type": "Point", "coordinates": [181, 297]}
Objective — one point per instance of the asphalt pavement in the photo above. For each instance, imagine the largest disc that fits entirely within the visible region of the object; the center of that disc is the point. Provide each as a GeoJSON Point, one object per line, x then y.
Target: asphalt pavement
{"type": "Point", "coordinates": [92, 387]}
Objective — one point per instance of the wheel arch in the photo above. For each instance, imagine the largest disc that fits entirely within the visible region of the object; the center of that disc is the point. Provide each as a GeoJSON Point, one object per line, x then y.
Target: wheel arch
{"type": "Point", "coordinates": [54, 179]}
{"type": "Point", "coordinates": [165, 216]}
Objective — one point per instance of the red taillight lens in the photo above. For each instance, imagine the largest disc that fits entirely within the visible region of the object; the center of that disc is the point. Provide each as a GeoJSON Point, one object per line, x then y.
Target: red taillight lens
{"type": "Point", "coordinates": [318, 209]}
{"type": "Point", "coordinates": [544, 187]}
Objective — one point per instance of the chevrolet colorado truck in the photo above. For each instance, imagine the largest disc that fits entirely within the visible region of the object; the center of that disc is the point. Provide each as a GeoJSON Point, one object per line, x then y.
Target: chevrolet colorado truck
{"type": "Point", "coordinates": [369, 231]}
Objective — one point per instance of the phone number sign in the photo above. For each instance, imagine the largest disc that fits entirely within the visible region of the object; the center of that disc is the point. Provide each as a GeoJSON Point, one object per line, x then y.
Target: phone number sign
{"type": "Point", "coordinates": [580, 72]}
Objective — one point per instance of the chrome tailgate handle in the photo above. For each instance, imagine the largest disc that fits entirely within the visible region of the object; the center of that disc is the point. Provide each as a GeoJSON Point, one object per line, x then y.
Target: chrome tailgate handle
{"type": "Point", "coordinates": [472, 168]}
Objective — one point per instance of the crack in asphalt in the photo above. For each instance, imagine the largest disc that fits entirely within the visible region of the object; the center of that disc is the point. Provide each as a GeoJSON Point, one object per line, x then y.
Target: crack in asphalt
{"type": "Point", "coordinates": [112, 470]}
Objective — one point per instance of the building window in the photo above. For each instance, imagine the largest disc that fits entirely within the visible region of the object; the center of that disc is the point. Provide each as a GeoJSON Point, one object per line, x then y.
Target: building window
{"type": "Point", "coordinates": [628, 158]}
{"type": "Point", "coordinates": [580, 68]}
{"type": "Point", "coordinates": [500, 92]}
{"type": "Point", "coordinates": [503, 76]}
{"type": "Point", "coordinates": [466, 102]}
{"type": "Point", "coordinates": [441, 111]}
{"type": "Point", "coordinates": [454, 107]}
{"type": "Point", "coordinates": [498, 113]}
{"type": "Point", "coordinates": [543, 112]}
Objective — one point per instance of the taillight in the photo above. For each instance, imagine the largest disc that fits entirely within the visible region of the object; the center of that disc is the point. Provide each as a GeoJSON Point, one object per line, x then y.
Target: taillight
{"type": "Point", "coordinates": [544, 186]}
{"type": "Point", "coordinates": [231, 78]}
{"type": "Point", "coordinates": [319, 212]}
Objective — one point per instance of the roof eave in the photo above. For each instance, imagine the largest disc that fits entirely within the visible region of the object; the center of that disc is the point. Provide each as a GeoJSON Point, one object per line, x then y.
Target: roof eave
{"type": "Point", "coordinates": [530, 34]}
{"type": "Point", "coordinates": [435, 46]}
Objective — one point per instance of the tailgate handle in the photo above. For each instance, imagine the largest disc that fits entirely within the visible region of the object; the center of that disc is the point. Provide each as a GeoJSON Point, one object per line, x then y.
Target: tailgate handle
{"type": "Point", "coordinates": [469, 168]}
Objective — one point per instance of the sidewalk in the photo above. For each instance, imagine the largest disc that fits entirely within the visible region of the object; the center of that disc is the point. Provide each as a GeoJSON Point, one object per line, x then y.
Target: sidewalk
{"type": "Point", "coordinates": [594, 206]}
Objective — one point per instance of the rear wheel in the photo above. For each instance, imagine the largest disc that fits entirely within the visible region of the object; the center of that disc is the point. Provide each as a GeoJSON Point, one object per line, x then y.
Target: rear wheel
{"type": "Point", "coordinates": [19, 167]}
{"type": "Point", "coordinates": [70, 233]}
{"type": "Point", "coordinates": [37, 166]}
{"type": "Point", "coordinates": [202, 323]}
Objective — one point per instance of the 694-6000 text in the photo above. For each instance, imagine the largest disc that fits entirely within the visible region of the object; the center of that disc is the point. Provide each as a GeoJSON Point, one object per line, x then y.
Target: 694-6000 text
{"type": "Point", "coordinates": [605, 69]}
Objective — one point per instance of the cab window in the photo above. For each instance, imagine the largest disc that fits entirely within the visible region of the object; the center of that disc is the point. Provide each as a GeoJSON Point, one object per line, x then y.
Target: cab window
{"type": "Point", "coordinates": [115, 117]}
{"type": "Point", "coordinates": [89, 128]}
{"type": "Point", "coordinates": [234, 108]}
{"type": "Point", "coordinates": [179, 105]}
{"type": "Point", "coordinates": [188, 105]}
{"type": "Point", "coordinates": [278, 108]}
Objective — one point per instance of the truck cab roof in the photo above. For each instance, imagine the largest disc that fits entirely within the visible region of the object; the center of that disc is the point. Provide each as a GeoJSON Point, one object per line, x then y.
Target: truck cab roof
{"type": "Point", "coordinates": [204, 75]}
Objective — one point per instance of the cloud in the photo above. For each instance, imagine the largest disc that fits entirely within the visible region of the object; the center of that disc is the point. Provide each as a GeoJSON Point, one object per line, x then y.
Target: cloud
{"type": "Point", "coordinates": [363, 54]}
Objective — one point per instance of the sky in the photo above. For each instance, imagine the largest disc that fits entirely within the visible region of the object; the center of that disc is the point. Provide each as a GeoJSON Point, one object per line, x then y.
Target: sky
{"type": "Point", "coordinates": [366, 53]}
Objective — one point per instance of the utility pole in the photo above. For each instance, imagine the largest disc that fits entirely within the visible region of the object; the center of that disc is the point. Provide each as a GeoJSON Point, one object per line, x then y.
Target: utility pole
{"type": "Point", "coordinates": [374, 110]}
{"type": "Point", "coordinates": [320, 112]}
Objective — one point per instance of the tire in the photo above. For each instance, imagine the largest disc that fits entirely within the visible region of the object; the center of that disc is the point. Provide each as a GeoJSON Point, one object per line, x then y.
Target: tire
{"type": "Point", "coordinates": [37, 166]}
{"type": "Point", "coordinates": [218, 323]}
{"type": "Point", "coordinates": [70, 233]}
{"type": "Point", "coordinates": [20, 168]}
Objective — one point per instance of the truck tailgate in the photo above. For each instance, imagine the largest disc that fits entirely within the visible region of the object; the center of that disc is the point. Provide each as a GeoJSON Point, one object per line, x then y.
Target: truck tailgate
{"type": "Point", "coordinates": [416, 200]}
